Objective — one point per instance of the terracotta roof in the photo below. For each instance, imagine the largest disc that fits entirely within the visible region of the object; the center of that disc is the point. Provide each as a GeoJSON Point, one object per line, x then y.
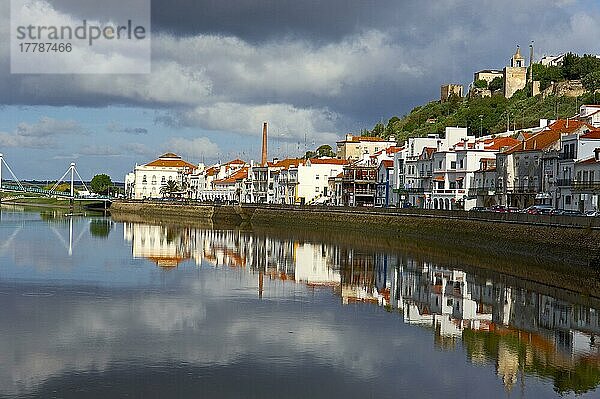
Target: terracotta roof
{"type": "Point", "coordinates": [286, 163]}
{"type": "Point", "coordinates": [537, 142]}
{"type": "Point", "coordinates": [170, 160]}
{"type": "Point", "coordinates": [594, 134]}
{"type": "Point", "coordinates": [236, 162]}
{"type": "Point", "coordinates": [328, 161]}
{"type": "Point", "coordinates": [567, 126]}
{"type": "Point", "coordinates": [238, 175]}
{"type": "Point", "coordinates": [499, 142]}
{"type": "Point", "coordinates": [428, 151]}
{"type": "Point", "coordinates": [387, 164]}
{"type": "Point", "coordinates": [393, 150]}
{"type": "Point", "coordinates": [588, 161]}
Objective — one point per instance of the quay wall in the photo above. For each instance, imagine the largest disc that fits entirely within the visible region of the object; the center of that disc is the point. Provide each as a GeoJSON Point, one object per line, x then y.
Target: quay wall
{"type": "Point", "coordinates": [569, 240]}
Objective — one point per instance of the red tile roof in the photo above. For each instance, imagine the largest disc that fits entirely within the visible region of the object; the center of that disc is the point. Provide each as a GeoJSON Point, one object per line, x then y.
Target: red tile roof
{"type": "Point", "coordinates": [568, 126]}
{"type": "Point", "coordinates": [328, 161]}
{"type": "Point", "coordinates": [537, 142]}
{"type": "Point", "coordinates": [170, 160]}
{"type": "Point", "coordinates": [588, 161]}
{"type": "Point", "coordinates": [387, 163]}
{"type": "Point", "coordinates": [594, 134]}
{"type": "Point", "coordinates": [238, 175]}
{"type": "Point", "coordinates": [286, 163]}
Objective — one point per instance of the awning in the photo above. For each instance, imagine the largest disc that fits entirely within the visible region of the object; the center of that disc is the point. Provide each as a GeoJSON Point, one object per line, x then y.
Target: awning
{"type": "Point", "coordinates": [439, 178]}
{"type": "Point", "coordinates": [459, 178]}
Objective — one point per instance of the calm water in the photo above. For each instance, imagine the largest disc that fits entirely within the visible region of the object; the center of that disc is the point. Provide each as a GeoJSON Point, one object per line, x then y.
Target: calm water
{"type": "Point", "coordinates": [92, 308]}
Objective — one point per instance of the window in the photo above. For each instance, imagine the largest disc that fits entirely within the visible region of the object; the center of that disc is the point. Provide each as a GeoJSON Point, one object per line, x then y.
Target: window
{"type": "Point", "coordinates": [452, 185]}
{"type": "Point", "coordinates": [317, 177]}
{"type": "Point", "coordinates": [568, 200]}
{"type": "Point", "coordinates": [440, 165]}
{"type": "Point", "coordinates": [317, 189]}
{"type": "Point", "coordinates": [154, 179]}
{"type": "Point", "coordinates": [144, 181]}
{"type": "Point", "coordinates": [453, 165]}
{"type": "Point", "coordinates": [163, 180]}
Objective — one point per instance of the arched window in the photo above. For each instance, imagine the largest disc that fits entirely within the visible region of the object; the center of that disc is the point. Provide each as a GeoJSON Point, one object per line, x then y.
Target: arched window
{"type": "Point", "coordinates": [144, 181]}
{"type": "Point", "coordinates": [163, 180]}
{"type": "Point", "coordinates": [153, 179]}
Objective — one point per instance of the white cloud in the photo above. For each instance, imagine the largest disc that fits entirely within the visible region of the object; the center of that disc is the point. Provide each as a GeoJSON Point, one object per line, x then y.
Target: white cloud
{"type": "Point", "coordinates": [193, 148]}
{"type": "Point", "coordinates": [8, 140]}
{"type": "Point", "coordinates": [283, 119]}
{"type": "Point", "coordinates": [49, 127]}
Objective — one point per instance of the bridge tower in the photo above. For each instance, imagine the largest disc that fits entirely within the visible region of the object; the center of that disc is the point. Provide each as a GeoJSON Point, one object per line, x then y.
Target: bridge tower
{"type": "Point", "coordinates": [72, 168]}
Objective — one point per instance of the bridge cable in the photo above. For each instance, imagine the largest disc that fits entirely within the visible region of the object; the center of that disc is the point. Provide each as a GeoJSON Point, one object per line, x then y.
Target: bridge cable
{"type": "Point", "coordinates": [13, 175]}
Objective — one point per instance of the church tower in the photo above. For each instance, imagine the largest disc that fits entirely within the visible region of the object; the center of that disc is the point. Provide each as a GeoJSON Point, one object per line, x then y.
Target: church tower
{"type": "Point", "coordinates": [515, 75]}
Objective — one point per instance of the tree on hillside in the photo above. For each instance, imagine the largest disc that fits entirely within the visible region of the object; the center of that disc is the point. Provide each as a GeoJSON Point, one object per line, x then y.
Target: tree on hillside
{"type": "Point", "coordinates": [481, 84]}
{"type": "Point", "coordinates": [591, 82]}
{"type": "Point", "coordinates": [101, 183]}
{"type": "Point", "coordinates": [496, 84]}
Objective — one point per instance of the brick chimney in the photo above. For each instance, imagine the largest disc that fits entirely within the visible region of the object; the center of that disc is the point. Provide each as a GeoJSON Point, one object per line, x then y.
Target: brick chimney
{"type": "Point", "coordinates": [264, 145]}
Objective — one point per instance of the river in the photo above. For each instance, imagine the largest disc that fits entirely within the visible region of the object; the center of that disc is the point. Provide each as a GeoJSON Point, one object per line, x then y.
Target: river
{"type": "Point", "coordinates": [97, 308]}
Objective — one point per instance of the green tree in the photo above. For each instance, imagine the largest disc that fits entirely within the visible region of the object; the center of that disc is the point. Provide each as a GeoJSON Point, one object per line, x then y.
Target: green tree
{"type": "Point", "coordinates": [325, 151]}
{"type": "Point", "coordinates": [169, 189]}
{"type": "Point", "coordinates": [101, 184]}
{"type": "Point", "coordinates": [100, 228]}
{"type": "Point", "coordinates": [496, 84]}
{"type": "Point", "coordinates": [481, 84]}
{"type": "Point", "coordinates": [591, 82]}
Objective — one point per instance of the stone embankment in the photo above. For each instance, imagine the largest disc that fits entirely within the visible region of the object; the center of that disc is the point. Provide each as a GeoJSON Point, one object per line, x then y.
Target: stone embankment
{"type": "Point", "coordinates": [568, 240]}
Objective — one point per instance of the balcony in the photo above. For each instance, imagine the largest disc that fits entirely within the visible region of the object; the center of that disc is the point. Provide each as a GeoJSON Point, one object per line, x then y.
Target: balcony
{"type": "Point", "coordinates": [426, 173]}
{"type": "Point", "coordinates": [482, 191]}
{"type": "Point", "coordinates": [586, 185]}
{"type": "Point", "coordinates": [564, 182]}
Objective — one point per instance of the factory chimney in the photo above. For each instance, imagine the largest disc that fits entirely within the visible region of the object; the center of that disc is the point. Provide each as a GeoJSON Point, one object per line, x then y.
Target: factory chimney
{"type": "Point", "coordinates": [264, 145]}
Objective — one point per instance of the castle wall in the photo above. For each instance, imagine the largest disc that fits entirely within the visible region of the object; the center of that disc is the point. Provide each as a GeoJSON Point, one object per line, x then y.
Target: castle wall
{"type": "Point", "coordinates": [515, 78]}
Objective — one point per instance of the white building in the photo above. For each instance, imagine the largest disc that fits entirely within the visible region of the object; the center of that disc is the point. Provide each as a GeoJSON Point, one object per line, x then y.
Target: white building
{"type": "Point", "coordinates": [590, 114]}
{"type": "Point", "coordinates": [146, 180]}
{"type": "Point", "coordinates": [202, 182]}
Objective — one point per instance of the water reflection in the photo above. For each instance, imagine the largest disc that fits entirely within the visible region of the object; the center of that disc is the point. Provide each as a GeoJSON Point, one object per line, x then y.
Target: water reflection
{"type": "Point", "coordinates": [162, 310]}
{"type": "Point", "coordinates": [514, 328]}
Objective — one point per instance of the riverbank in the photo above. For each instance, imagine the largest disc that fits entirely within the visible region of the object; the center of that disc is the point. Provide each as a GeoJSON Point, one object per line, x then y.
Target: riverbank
{"type": "Point", "coordinates": [569, 242]}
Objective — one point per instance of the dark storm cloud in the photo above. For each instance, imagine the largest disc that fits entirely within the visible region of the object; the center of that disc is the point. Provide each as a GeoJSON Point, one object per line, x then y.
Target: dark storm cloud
{"type": "Point", "coordinates": [360, 61]}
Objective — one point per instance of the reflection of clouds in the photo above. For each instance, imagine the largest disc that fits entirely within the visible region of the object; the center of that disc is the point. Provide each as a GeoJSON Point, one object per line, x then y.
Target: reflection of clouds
{"type": "Point", "coordinates": [169, 315]}
{"type": "Point", "coordinates": [78, 333]}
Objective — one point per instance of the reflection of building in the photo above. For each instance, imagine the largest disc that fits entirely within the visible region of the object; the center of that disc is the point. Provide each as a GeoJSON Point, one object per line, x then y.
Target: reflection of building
{"type": "Point", "coordinates": [165, 246]}
{"type": "Point", "coordinates": [513, 328]}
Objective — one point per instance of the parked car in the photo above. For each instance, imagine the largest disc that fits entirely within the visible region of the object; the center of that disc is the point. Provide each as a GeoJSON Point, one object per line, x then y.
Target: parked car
{"type": "Point", "coordinates": [499, 208]}
{"type": "Point", "coordinates": [538, 210]}
{"type": "Point", "coordinates": [593, 213]}
{"type": "Point", "coordinates": [479, 209]}
{"type": "Point", "coordinates": [564, 212]}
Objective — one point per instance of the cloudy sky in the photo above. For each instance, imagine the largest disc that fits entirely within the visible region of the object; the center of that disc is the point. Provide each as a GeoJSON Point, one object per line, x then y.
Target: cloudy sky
{"type": "Point", "coordinates": [315, 69]}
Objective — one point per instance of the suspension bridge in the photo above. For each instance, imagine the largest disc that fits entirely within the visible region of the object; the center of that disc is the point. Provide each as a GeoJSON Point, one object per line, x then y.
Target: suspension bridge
{"type": "Point", "coordinates": [18, 189]}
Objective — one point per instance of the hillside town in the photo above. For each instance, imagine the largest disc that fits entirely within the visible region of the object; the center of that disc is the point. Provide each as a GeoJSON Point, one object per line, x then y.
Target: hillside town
{"type": "Point", "coordinates": [555, 164]}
